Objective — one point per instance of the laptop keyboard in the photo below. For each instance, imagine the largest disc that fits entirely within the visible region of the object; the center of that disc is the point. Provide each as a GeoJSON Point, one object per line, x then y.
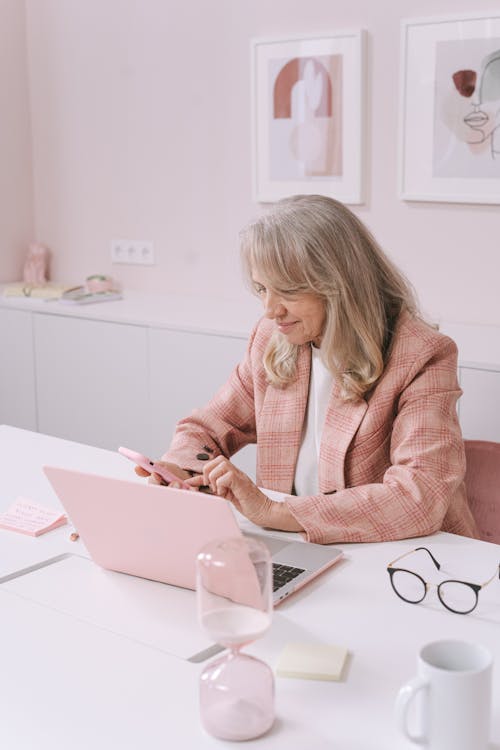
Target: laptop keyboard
{"type": "Point", "coordinates": [283, 574]}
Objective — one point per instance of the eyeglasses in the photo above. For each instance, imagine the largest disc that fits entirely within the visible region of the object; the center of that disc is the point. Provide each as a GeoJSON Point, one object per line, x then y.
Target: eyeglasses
{"type": "Point", "coordinates": [460, 597]}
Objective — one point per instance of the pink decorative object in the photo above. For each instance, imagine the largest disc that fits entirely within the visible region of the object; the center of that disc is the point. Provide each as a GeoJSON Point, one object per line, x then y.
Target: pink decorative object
{"type": "Point", "coordinates": [234, 594]}
{"type": "Point", "coordinates": [36, 265]}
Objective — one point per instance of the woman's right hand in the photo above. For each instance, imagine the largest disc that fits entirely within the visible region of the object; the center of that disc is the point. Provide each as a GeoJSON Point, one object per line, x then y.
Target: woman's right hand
{"type": "Point", "coordinates": [155, 478]}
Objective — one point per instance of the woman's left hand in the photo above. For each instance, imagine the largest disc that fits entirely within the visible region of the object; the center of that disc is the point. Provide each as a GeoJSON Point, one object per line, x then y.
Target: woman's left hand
{"type": "Point", "coordinates": [227, 481]}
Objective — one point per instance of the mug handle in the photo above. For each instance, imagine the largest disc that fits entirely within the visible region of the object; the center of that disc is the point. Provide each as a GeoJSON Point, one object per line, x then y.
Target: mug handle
{"type": "Point", "coordinates": [405, 696]}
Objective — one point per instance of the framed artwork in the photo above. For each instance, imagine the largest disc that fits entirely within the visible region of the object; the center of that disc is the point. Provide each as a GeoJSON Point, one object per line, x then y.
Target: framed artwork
{"type": "Point", "coordinates": [450, 109]}
{"type": "Point", "coordinates": [307, 116]}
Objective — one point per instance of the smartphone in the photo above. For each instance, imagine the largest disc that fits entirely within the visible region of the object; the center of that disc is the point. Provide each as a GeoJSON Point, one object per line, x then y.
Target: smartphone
{"type": "Point", "coordinates": [145, 463]}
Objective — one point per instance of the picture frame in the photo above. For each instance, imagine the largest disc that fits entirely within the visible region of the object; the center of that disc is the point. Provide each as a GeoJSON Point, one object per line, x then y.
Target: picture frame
{"type": "Point", "coordinates": [449, 146]}
{"type": "Point", "coordinates": [307, 116]}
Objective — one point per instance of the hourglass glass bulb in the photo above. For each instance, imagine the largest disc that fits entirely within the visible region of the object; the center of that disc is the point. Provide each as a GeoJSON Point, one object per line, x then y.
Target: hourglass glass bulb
{"type": "Point", "coordinates": [234, 594]}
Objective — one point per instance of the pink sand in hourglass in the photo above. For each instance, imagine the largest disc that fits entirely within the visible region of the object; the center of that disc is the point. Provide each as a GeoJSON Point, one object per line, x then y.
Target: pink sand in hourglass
{"type": "Point", "coordinates": [237, 697]}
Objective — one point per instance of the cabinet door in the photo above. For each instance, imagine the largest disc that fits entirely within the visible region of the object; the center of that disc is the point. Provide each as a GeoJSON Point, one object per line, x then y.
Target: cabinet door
{"type": "Point", "coordinates": [186, 369]}
{"type": "Point", "coordinates": [92, 383]}
{"type": "Point", "coordinates": [17, 374]}
{"type": "Point", "coordinates": [479, 407]}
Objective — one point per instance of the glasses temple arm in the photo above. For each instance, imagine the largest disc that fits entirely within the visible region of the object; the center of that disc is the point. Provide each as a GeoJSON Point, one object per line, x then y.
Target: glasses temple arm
{"type": "Point", "coordinates": [438, 566]}
{"type": "Point", "coordinates": [492, 577]}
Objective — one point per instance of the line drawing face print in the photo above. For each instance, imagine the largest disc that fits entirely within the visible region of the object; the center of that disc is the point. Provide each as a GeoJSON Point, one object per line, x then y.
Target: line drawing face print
{"type": "Point", "coordinates": [483, 90]}
{"type": "Point", "coordinates": [466, 122]}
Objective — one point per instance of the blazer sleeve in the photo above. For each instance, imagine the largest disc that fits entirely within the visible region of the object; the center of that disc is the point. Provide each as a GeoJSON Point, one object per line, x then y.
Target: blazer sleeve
{"type": "Point", "coordinates": [224, 425]}
{"type": "Point", "coordinates": [423, 482]}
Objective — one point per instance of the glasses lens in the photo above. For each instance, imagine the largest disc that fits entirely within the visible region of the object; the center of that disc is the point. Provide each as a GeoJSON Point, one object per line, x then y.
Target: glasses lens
{"type": "Point", "coordinates": [457, 596]}
{"type": "Point", "coordinates": [408, 586]}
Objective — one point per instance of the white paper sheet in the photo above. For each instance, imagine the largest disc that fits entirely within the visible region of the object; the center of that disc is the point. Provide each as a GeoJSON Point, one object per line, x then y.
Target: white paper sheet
{"type": "Point", "coordinates": [152, 613]}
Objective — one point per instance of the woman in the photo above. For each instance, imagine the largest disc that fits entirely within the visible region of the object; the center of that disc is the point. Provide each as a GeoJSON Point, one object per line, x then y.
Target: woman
{"type": "Point", "coordinates": [349, 395]}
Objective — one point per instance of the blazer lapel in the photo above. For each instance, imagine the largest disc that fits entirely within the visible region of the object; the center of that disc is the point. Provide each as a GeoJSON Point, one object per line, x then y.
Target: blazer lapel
{"type": "Point", "coordinates": [341, 423]}
{"type": "Point", "coordinates": [280, 427]}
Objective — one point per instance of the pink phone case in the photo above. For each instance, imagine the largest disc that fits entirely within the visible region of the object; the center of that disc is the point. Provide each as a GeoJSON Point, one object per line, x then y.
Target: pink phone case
{"type": "Point", "coordinates": [145, 463]}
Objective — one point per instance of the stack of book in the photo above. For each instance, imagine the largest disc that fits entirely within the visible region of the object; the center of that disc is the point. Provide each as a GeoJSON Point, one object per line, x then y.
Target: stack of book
{"type": "Point", "coordinates": [47, 291]}
{"type": "Point", "coordinates": [67, 294]}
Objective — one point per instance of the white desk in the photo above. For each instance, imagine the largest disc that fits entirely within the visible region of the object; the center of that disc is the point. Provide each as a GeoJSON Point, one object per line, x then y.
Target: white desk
{"type": "Point", "coordinates": [65, 683]}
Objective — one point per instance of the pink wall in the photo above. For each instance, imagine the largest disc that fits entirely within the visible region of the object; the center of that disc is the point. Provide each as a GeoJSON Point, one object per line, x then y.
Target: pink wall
{"type": "Point", "coordinates": [16, 189]}
{"type": "Point", "coordinates": [141, 129]}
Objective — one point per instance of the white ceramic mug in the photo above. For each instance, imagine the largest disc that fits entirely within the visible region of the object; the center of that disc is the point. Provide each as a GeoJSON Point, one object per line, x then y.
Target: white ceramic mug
{"type": "Point", "coordinates": [453, 690]}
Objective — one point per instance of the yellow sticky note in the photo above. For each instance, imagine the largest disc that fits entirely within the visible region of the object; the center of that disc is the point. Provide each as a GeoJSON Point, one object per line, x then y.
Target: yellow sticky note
{"type": "Point", "coordinates": [311, 661]}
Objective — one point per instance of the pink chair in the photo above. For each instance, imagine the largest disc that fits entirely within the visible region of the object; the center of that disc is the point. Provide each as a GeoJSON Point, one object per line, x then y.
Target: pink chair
{"type": "Point", "coordinates": [482, 480]}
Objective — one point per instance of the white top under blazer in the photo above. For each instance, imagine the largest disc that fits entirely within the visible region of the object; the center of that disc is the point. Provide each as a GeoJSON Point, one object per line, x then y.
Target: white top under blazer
{"type": "Point", "coordinates": [320, 386]}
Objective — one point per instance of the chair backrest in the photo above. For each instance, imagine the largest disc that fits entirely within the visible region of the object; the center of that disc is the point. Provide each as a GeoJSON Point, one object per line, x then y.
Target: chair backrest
{"type": "Point", "coordinates": [482, 480]}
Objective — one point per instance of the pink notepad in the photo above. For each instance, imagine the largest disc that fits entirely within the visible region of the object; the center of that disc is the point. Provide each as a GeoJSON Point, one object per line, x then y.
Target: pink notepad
{"type": "Point", "coordinates": [28, 517]}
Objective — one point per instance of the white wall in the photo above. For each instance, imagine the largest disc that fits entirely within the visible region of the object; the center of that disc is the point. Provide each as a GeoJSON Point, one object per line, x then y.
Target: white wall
{"type": "Point", "coordinates": [141, 129]}
{"type": "Point", "coordinates": [16, 188]}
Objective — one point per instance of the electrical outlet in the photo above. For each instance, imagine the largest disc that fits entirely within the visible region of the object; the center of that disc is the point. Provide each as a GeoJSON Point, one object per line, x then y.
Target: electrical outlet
{"type": "Point", "coordinates": [132, 252]}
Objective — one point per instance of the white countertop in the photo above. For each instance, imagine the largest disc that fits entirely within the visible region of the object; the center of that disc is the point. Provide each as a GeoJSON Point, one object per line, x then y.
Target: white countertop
{"type": "Point", "coordinates": [178, 312]}
{"type": "Point", "coordinates": [479, 345]}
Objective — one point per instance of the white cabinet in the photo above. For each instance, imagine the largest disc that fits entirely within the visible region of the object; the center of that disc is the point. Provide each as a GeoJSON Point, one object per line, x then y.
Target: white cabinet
{"type": "Point", "coordinates": [117, 374]}
{"type": "Point", "coordinates": [17, 374]}
{"type": "Point", "coordinates": [186, 369]}
{"type": "Point", "coordinates": [479, 407]}
{"type": "Point", "coordinates": [92, 381]}
{"type": "Point", "coordinates": [479, 374]}
{"type": "Point", "coordinates": [125, 374]}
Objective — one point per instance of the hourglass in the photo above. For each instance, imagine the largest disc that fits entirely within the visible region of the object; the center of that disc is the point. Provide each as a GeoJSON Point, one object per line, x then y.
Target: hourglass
{"type": "Point", "coordinates": [234, 596]}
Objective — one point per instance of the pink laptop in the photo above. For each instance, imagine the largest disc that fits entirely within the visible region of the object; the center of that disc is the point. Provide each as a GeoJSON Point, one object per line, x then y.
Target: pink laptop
{"type": "Point", "coordinates": [156, 532]}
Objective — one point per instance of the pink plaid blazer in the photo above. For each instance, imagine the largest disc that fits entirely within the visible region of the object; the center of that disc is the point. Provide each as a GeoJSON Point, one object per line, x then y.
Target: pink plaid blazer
{"type": "Point", "coordinates": [390, 466]}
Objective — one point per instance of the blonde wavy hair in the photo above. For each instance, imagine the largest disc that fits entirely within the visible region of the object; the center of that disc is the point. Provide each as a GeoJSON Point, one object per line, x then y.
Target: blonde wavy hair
{"type": "Point", "coordinates": [315, 245]}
